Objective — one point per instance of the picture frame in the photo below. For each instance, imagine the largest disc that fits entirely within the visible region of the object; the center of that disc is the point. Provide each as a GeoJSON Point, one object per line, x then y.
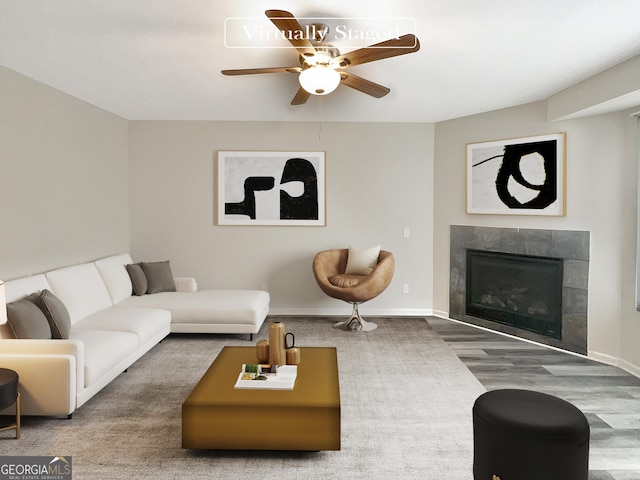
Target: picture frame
{"type": "Point", "coordinates": [519, 176]}
{"type": "Point", "coordinates": [283, 188]}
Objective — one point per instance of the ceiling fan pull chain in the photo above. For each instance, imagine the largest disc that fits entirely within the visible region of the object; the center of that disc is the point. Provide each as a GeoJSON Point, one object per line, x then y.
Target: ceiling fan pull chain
{"type": "Point", "coordinates": [320, 116]}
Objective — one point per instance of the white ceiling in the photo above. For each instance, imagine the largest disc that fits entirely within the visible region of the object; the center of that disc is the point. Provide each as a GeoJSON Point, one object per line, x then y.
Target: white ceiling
{"type": "Point", "coordinates": [161, 59]}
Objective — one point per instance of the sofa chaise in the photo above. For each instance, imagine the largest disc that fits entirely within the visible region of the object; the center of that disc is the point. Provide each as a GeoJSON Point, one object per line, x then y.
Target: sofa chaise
{"type": "Point", "coordinates": [109, 328]}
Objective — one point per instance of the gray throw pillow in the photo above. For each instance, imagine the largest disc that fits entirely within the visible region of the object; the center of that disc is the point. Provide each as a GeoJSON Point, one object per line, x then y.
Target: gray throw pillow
{"type": "Point", "coordinates": [26, 320]}
{"type": "Point", "coordinates": [159, 277]}
{"type": "Point", "coordinates": [138, 278]}
{"type": "Point", "coordinates": [56, 313]}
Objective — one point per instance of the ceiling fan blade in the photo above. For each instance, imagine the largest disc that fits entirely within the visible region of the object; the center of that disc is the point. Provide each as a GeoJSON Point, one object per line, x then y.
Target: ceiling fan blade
{"type": "Point", "coordinates": [253, 71]}
{"type": "Point", "coordinates": [390, 48]}
{"type": "Point", "coordinates": [363, 85]}
{"type": "Point", "coordinates": [300, 97]}
{"type": "Point", "coordinates": [288, 25]}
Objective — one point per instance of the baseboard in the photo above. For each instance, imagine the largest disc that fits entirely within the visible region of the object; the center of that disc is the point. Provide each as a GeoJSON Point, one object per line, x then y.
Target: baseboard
{"type": "Point", "coordinates": [630, 367]}
{"type": "Point", "coordinates": [616, 362]}
{"type": "Point", "coordinates": [345, 312]}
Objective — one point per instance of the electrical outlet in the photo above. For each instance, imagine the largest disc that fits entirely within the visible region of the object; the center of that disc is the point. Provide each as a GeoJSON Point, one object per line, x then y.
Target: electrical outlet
{"type": "Point", "coordinates": [405, 288]}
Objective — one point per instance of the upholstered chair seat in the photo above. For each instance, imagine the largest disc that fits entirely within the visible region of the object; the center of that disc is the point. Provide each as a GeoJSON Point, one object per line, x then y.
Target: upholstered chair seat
{"type": "Point", "coordinates": [329, 269]}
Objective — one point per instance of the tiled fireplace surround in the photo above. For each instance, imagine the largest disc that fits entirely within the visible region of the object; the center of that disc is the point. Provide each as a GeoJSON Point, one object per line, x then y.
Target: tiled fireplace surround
{"type": "Point", "coordinates": [570, 246]}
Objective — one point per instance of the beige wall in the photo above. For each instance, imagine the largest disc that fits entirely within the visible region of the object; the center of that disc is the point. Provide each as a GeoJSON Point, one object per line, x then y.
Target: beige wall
{"type": "Point", "coordinates": [378, 178]}
{"type": "Point", "coordinates": [79, 183]}
{"type": "Point", "coordinates": [63, 180]}
{"type": "Point", "coordinates": [601, 198]}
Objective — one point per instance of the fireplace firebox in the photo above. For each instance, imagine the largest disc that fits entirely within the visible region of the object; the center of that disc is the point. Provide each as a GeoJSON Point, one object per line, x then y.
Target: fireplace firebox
{"type": "Point", "coordinates": [522, 291]}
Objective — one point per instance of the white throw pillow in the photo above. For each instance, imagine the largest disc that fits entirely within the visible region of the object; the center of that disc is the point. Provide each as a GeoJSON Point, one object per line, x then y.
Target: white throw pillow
{"type": "Point", "coordinates": [361, 261]}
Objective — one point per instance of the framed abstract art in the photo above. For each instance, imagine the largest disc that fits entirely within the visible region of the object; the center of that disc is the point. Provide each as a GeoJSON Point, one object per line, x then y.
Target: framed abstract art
{"type": "Point", "coordinates": [520, 176]}
{"type": "Point", "coordinates": [271, 188]}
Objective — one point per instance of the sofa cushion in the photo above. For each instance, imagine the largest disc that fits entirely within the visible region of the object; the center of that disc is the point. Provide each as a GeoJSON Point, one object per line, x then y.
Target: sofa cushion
{"type": "Point", "coordinates": [361, 261]}
{"type": "Point", "coordinates": [347, 281]}
{"type": "Point", "coordinates": [146, 323]}
{"type": "Point", "coordinates": [159, 277]}
{"type": "Point", "coordinates": [115, 276]}
{"type": "Point", "coordinates": [56, 313]}
{"type": "Point", "coordinates": [103, 350]}
{"type": "Point", "coordinates": [81, 289]}
{"type": "Point", "coordinates": [244, 307]}
{"type": "Point", "coordinates": [138, 278]}
{"type": "Point", "coordinates": [26, 320]}
{"type": "Point", "coordinates": [21, 287]}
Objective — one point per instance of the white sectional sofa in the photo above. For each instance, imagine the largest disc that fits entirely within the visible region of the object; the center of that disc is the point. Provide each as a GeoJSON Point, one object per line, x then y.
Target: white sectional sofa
{"type": "Point", "coordinates": [110, 329]}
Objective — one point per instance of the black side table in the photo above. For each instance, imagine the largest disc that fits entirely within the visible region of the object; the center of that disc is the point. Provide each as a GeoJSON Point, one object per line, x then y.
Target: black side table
{"type": "Point", "coordinates": [9, 395]}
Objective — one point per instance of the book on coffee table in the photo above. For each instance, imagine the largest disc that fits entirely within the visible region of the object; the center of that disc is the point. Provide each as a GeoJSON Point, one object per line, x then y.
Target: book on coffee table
{"type": "Point", "coordinates": [251, 378]}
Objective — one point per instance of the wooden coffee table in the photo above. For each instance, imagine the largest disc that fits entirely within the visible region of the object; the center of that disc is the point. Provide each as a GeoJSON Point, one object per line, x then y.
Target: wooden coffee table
{"type": "Point", "coordinates": [216, 416]}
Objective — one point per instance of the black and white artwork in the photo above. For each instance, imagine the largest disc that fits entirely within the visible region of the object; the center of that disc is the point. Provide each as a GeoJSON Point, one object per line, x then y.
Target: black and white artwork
{"type": "Point", "coordinates": [271, 188]}
{"type": "Point", "coordinates": [521, 176]}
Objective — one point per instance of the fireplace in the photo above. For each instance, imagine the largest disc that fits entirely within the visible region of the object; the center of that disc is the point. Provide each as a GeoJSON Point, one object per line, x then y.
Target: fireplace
{"type": "Point", "coordinates": [548, 270]}
{"type": "Point", "coordinates": [523, 291]}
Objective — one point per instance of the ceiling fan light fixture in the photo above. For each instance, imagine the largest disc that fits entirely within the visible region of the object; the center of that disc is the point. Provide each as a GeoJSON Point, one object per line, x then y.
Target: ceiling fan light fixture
{"type": "Point", "coordinates": [319, 80]}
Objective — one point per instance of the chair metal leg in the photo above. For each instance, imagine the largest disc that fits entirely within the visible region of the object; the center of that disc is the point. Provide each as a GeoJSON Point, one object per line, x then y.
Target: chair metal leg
{"type": "Point", "coordinates": [356, 323]}
{"type": "Point", "coordinates": [18, 417]}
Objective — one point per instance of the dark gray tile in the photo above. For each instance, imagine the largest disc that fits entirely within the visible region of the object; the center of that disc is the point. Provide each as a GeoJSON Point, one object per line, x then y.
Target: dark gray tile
{"type": "Point", "coordinates": [460, 236]}
{"type": "Point", "coordinates": [535, 242]}
{"type": "Point", "coordinates": [575, 273]}
{"type": "Point", "coordinates": [570, 244]}
{"type": "Point", "coordinates": [625, 475]}
{"type": "Point", "coordinates": [491, 238]}
{"type": "Point", "coordinates": [574, 301]}
{"type": "Point", "coordinates": [600, 475]}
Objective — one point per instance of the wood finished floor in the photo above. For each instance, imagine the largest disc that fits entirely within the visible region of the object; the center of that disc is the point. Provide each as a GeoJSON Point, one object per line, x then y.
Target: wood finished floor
{"type": "Point", "coordinates": [608, 396]}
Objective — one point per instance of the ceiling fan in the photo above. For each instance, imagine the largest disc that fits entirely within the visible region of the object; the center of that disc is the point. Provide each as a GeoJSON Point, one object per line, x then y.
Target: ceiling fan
{"type": "Point", "coordinates": [322, 67]}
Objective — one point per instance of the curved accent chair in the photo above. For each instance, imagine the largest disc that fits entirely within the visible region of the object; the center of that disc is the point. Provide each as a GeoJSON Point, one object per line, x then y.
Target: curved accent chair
{"type": "Point", "coordinates": [329, 267]}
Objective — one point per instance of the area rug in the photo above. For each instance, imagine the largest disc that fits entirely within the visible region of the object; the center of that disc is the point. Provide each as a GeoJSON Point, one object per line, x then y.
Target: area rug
{"type": "Point", "coordinates": [406, 404]}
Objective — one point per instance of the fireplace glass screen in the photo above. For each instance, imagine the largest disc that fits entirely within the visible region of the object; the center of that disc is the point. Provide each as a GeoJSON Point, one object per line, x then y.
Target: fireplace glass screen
{"type": "Point", "coordinates": [518, 290]}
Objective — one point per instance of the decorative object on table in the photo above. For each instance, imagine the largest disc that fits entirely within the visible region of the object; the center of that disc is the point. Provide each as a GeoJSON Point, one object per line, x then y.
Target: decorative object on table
{"type": "Point", "coordinates": [267, 377]}
{"type": "Point", "coordinates": [277, 354]}
{"type": "Point", "coordinates": [289, 340]}
{"type": "Point", "coordinates": [262, 351]}
{"type": "Point", "coordinates": [271, 188]}
{"type": "Point", "coordinates": [355, 282]}
{"type": "Point", "coordinates": [292, 352]}
{"type": "Point", "coordinates": [293, 356]}
{"type": "Point", "coordinates": [520, 176]}
{"type": "Point", "coordinates": [257, 371]}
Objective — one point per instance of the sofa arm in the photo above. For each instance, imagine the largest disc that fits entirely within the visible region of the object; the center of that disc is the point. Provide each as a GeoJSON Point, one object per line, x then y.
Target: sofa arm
{"type": "Point", "coordinates": [41, 349]}
{"type": "Point", "coordinates": [185, 284]}
{"type": "Point", "coordinates": [47, 383]}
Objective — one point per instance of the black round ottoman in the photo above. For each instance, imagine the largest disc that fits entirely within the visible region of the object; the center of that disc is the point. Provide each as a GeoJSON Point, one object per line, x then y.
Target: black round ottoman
{"type": "Point", "coordinates": [525, 435]}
